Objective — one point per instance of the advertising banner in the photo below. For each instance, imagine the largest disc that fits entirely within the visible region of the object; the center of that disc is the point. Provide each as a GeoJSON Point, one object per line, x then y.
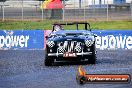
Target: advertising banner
{"type": "Point", "coordinates": [35, 39]}
{"type": "Point", "coordinates": [21, 39]}
{"type": "Point", "coordinates": [113, 39]}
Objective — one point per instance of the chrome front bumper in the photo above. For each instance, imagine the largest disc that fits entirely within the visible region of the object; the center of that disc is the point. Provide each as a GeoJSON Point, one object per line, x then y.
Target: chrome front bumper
{"type": "Point", "coordinates": [78, 54]}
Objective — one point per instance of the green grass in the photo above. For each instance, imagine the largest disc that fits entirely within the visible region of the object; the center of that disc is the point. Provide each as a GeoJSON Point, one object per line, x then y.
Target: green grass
{"type": "Point", "coordinates": [47, 24]}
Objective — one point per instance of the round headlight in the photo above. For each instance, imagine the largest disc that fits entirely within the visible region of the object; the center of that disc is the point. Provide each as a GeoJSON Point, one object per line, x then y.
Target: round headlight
{"type": "Point", "coordinates": [78, 49]}
{"type": "Point", "coordinates": [50, 44]}
{"type": "Point", "coordinates": [88, 42]}
{"type": "Point", "coordinates": [61, 49]}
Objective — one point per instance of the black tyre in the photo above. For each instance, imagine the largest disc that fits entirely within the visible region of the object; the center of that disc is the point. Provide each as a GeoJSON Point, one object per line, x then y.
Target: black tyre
{"type": "Point", "coordinates": [92, 59]}
{"type": "Point", "coordinates": [48, 60]}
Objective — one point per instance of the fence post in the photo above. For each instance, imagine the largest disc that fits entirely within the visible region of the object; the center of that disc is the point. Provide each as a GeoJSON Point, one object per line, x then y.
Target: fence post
{"type": "Point", "coordinates": [107, 11]}
{"type": "Point", "coordinates": [84, 10]}
{"type": "Point", "coordinates": [63, 10]}
{"type": "Point", "coordinates": [74, 11]}
{"type": "Point", "coordinates": [131, 9]}
{"type": "Point", "coordinates": [42, 11]}
{"type": "Point", "coordinates": [22, 10]}
{"type": "Point", "coordinates": [93, 8]}
{"type": "Point", "coordinates": [3, 10]}
{"type": "Point", "coordinates": [80, 3]}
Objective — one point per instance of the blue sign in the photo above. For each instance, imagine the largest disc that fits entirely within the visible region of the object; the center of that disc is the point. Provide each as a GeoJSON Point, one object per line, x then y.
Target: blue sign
{"type": "Point", "coordinates": [21, 39]}
{"type": "Point", "coordinates": [34, 39]}
{"type": "Point", "coordinates": [113, 39]}
{"type": "Point", "coordinates": [119, 1]}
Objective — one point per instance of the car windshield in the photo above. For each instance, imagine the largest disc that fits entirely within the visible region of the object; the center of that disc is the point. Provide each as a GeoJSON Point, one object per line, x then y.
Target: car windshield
{"type": "Point", "coordinates": [74, 25]}
{"type": "Point", "coordinates": [70, 34]}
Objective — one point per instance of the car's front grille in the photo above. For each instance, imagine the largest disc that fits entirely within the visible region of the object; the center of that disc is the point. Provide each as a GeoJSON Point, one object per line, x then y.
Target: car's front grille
{"type": "Point", "coordinates": [69, 46]}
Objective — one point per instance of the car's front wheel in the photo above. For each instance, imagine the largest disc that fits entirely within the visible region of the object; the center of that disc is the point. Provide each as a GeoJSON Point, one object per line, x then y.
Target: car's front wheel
{"type": "Point", "coordinates": [92, 59]}
{"type": "Point", "coordinates": [48, 60]}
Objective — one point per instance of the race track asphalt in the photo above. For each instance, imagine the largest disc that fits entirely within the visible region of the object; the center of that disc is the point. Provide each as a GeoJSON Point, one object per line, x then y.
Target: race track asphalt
{"type": "Point", "coordinates": [26, 69]}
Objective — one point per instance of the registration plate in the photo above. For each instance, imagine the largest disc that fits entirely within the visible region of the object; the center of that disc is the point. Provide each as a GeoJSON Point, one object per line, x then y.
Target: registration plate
{"type": "Point", "coordinates": [67, 54]}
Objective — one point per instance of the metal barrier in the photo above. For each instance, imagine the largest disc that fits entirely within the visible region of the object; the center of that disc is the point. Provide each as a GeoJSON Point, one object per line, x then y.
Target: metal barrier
{"type": "Point", "coordinates": [79, 10]}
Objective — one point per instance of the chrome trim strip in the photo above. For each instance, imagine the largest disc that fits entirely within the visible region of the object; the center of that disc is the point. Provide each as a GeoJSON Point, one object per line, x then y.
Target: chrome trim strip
{"type": "Point", "coordinates": [61, 54]}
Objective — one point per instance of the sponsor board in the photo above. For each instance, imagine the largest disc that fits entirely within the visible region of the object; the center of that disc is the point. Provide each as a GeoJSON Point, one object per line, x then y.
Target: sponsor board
{"type": "Point", "coordinates": [21, 39]}
{"type": "Point", "coordinates": [113, 39]}
{"type": "Point", "coordinates": [35, 39]}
